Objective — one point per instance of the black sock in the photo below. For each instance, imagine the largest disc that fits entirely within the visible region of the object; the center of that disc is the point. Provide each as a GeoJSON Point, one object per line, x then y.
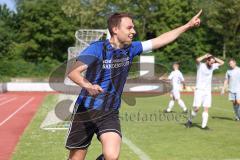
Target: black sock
{"type": "Point", "coordinates": [101, 157]}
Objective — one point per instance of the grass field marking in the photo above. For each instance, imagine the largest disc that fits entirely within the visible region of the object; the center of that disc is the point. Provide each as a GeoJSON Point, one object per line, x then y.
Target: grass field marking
{"type": "Point", "coordinates": [53, 129]}
{"type": "Point", "coordinates": [135, 149]}
{"type": "Point", "coordinates": [2, 98]}
{"type": "Point", "coordinates": [8, 101]}
{"type": "Point", "coordinates": [21, 107]}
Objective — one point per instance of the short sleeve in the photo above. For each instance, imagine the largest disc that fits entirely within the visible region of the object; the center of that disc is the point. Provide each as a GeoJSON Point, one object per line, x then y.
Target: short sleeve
{"type": "Point", "coordinates": [90, 55]}
{"type": "Point", "coordinates": [147, 46]}
{"type": "Point", "coordinates": [170, 76]}
{"type": "Point", "coordinates": [136, 48]}
{"type": "Point", "coordinates": [181, 77]}
{"type": "Point", "coordinates": [215, 66]}
{"type": "Point", "coordinates": [199, 64]}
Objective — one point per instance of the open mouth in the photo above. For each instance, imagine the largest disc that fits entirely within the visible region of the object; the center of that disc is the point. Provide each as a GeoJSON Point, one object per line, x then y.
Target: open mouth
{"type": "Point", "coordinates": [130, 36]}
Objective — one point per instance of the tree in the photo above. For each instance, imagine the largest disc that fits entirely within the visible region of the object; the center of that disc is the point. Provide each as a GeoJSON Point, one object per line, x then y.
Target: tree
{"type": "Point", "coordinates": [8, 30]}
{"type": "Point", "coordinates": [87, 13]}
{"type": "Point", "coordinates": [224, 18]}
{"type": "Point", "coordinates": [45, 31]}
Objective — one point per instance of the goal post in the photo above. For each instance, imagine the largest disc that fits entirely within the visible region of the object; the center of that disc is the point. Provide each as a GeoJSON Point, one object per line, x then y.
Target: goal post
{"type": "Point", "coordinates": [84, 37]}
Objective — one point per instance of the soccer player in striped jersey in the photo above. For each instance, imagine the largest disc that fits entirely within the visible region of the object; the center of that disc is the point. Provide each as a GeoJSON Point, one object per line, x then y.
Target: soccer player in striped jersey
{"type": "Point", "coordinates": [232, 80]}
{"type": "Point", "coordinates": [176, 78]}
{"type": "Point", "coordinates": [202, 95]}
{"type": "Point", "coordinates": [107, 64]}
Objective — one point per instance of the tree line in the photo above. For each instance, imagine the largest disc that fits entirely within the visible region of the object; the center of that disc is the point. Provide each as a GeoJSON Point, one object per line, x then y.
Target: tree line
{"type": "Point", "coordinates": [34, 38]}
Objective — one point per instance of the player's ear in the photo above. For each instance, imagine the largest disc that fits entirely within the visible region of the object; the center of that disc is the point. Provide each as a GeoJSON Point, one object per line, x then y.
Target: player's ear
{"type": "Point", "coordinates": [115, 30]}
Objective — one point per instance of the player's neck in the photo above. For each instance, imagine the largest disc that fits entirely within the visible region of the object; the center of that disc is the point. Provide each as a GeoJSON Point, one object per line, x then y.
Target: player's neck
{"type": "Point", "coordinates": [116, 43]}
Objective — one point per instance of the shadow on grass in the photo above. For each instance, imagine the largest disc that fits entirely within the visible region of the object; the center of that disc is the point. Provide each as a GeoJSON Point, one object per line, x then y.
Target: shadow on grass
{"type": "Point", "coordinates": [194, 125]}
{"type": "Point", "coordinates": [222, 118]}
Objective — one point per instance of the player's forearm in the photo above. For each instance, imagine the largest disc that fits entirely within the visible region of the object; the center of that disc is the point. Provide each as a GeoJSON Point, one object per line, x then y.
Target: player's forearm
{"type": "Point", "coordinates": [168, 37]}
{"type": "Point", "coordinates": [76, 77]}
{"type": "Point", "coordinates": [164, 79]}
{"type": "Point", "coordinates": [225, 84]}
{"type": "Point", "coordinates": [221, 62]}
{"type": "Point", "coordinates": [199, 59]}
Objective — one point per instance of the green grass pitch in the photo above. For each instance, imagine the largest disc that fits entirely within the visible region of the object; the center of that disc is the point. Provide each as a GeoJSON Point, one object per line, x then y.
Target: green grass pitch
{"type": "Point", "coordinates": [157, 135]}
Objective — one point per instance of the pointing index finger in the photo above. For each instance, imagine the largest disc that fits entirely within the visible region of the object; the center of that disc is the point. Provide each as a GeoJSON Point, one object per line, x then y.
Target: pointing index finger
{"type": "Point", "coordinates": [199, 13]}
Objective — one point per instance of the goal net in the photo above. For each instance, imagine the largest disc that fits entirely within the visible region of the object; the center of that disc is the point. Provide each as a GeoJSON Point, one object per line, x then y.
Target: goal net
{"type": "Point", "coordinates": [84, 37]}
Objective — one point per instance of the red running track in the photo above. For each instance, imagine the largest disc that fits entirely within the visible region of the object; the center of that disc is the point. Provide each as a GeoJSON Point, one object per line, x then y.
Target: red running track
{"type": "Point", "coordinates": [16, 111]}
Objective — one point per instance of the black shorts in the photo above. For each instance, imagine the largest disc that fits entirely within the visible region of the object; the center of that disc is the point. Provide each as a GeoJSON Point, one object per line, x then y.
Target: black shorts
{"type": "Point", "coordinates": [86, 122]}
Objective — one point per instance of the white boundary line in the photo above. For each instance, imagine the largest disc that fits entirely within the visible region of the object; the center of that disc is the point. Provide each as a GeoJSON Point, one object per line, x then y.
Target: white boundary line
{"type": "Point", "coordinates": [21, 107]}
{"type": "Point", "coordinates": [54, 128]}
{"type": "Point", "coordinates": [135, 149]}
{"type": "Point", "coordinates": [8, 101]}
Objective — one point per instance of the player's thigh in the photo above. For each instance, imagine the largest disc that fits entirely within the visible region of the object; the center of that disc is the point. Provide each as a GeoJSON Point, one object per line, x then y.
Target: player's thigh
{"type": "Point", "coordinates": [207, 100]}
{"type": "Point", "coordinates": [80, 134]}
{"type": "Point", "coordinates": [232, 97]}
{"type": "Point", "coordinates": [176, 94]}
{"type": "Point", "coordinates": [109, 134]}
{"type": "Point", "coordinates": [197, 100]}
{"type": "Point", "coordinates": [238, 98]}
{"type": "Point", "coordinates": [77, 154]}
{"type": "Point", "coordinates": [111, 145]}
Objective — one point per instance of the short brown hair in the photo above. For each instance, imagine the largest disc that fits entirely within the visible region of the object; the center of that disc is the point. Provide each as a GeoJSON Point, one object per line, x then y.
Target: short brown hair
{"type": "Point", "coordinates": [231, 59]}
{"type": "Point", "coordinates": [115, 19]}
{"type": "Point", "coordinates": [210, 58]}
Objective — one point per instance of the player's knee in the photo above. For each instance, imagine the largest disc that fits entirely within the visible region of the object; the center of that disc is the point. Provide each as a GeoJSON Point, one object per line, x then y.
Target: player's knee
{"type": "Point", "coordinates": [111, 156]}
{"type": "Point", "coordinates": [205, 109]}
{"type": "Point", "coordinates": [238, 102]}
{"type": "Point", "coordinates": [77, 155]}
{"type": "Point", "coordinates": [75, 158]}
{"type": "Point", "coordinates": [196, 109]}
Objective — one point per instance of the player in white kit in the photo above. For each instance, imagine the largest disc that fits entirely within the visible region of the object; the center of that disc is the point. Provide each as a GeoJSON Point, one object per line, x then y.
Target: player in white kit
{"type": "Point", "coordinates": [232, 80]}
{"type": "Point", "coordinates": [176, 79]}
{"type": "Point", "coordinates": [202, 94]}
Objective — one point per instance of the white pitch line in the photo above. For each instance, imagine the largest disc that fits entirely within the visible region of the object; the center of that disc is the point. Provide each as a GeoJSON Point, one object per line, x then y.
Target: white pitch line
{"type": "Point", "coordinates": [135, 149]}
{"type": "Point", "coordinates": [21, 107]}
{"type": "Point", "coordinates": [8, 101]}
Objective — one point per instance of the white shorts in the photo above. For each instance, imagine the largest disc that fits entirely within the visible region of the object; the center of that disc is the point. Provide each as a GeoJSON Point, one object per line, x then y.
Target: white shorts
{"type": "Point", "coordinates": [234, 96]}
{"type": "Point", "coordinates": [175, 94]}
{"type": "Point", "coordinates": [202, 98]}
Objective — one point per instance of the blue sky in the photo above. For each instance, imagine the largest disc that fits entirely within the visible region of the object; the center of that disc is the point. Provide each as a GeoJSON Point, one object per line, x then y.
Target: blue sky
{"type": "Point", "coordinates": [10, 4]}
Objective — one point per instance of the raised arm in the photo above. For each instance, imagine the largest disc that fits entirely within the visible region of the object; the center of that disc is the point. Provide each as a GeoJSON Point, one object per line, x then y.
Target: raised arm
{"type": "Point", "coordinates": [219, 61]}
{"type": "Point", "coordinates": [201, 58]}
{"type": "Point", "coordinates": [170, 36]}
